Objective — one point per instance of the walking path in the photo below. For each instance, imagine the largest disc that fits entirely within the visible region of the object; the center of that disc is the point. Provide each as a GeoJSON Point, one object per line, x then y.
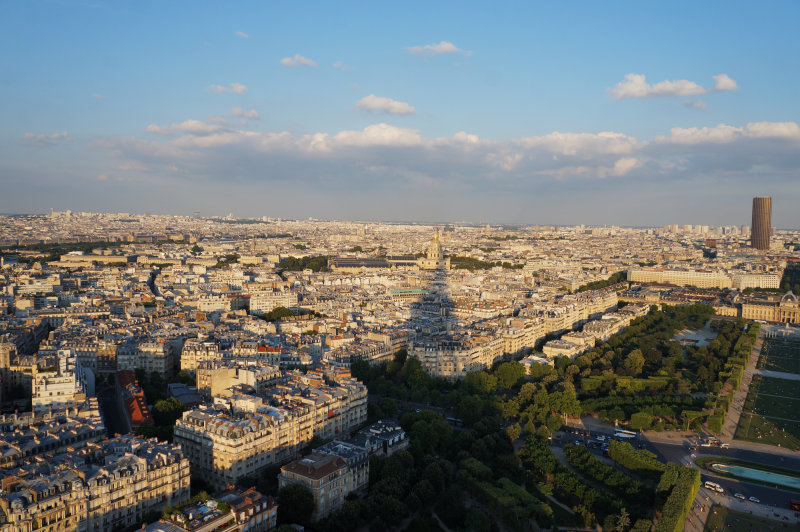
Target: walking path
{"type": "Point", "coordinates": [735, 410]}
{"type": "Point", "coordinates": [777, 374]}
{"type": "Point", "coordinates": [698, 515]}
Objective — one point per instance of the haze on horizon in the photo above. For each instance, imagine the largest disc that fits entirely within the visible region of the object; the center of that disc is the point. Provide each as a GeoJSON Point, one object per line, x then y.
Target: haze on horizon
{"type": "Point", "coordinates": [511, 113]}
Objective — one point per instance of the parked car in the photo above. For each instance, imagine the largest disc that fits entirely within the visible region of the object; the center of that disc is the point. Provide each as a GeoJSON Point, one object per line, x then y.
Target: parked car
{"type": "Point", "coordinates": [739, 496]}
{"type": "Point", "coordinates": [754, 499]}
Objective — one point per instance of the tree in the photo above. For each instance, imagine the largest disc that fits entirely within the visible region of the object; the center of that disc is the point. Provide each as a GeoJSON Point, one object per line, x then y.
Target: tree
{"type": "Point", "coordinates": [184, 377]}
{"type": "Point", "coordinates": [388, 406]}
{"type": "Point", "coordinates": [513, 431]}
{"type": "Point", "coordinates": [470, 409]}
{"type": "Point", "coordinates": [478, 521]}
{"type": "Point", "coordinates": [480, 382]}
{"type": "Point", "coordinates": [623, 521]}
{"type": "Point", "coordinates": [296, 504]}
{"type": "Point", "coordinates": [509, 373]}
{"type": "Point", "coordinates": [166, 411]}
{"type": "Point", "coordinates": [641, 421]}
{"type": "Point", "coordinates": [196, 249]}
{"type": "Point", "coordinates": [360, 369]}
{"type": "Point", "coordinates": [634, 363]}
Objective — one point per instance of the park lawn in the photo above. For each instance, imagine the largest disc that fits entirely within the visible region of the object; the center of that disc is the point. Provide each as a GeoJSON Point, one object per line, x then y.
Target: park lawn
{"type": "Point", "coordinates": [771, 413]}
{"type": "Point", "coordinates": [755, 428]}
{"type": "Point", "coordinates": [777, 407]}
{"type": "Point", "coordinates": [782, 387]}
{"type": "Point", "coordinates": [722, 518]}
{"type": "Point", "coordinates": [786, 364]}
{"type": "Point", "coordinates": [781, 355]}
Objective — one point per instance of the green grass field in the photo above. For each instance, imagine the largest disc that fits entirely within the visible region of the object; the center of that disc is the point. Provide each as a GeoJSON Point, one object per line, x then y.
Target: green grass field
{"type": "Point", "coordinates": [721, 519]}
{"type": "Point", "coordinates": [771, 413]}
{"type": "Point", "coordinates": [780, 354]}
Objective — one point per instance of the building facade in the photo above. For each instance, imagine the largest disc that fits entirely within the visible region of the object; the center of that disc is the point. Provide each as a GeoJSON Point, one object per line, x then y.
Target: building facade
{"type": "Point", "coordinates": [761, 227]}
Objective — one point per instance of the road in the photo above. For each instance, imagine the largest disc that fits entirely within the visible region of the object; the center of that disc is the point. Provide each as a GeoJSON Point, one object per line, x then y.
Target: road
{"type": "Point", "coordinates": [151, 282]}
{"type": "Point", "coordinates": [679, 452]}
{"type": "Point", "coordinates": [675, 448]}
{"type": "Point", "coordinates": [112, 415]}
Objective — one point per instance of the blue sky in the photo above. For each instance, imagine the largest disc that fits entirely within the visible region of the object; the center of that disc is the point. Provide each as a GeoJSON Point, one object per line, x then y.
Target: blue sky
{"type": "Point", "coordinates": [584, 112]}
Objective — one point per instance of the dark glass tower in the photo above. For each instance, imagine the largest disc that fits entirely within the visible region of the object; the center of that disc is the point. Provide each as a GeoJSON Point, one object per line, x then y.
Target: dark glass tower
{"type": "Point", "coordinates": [760, 228]}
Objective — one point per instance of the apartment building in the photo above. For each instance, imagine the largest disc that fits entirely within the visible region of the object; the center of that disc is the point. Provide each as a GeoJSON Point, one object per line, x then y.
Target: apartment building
{"type": "Point", "coordinates": [196, 351]}
{"type": "Point", "coordinates": [327, 477]}
{"type": "Point", "coordinates": [101, 486]}
{"type": "Point", "coordinates": [262, 302]}
{"type": "Point", "coordinates": [216, 378]}
{"type": "Point", "coordinates": [697, 278]}
{"type": "Point", "coordinates": [66, 387]}
{"type": "Point", "coordinates": [241, 435]}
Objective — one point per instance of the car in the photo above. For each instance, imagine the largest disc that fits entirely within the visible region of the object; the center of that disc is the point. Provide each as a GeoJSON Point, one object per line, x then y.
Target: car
{"type": "Point", "coordinates": [724, 445]}
{"type": "Point", "coordinates": [578, 442]}
{"type": "Point", "coordinates": [601, 438]}
{"type": "Point", "coordinates": [754, 499]}
{"type": "Point", "coordinates": [738, 496]}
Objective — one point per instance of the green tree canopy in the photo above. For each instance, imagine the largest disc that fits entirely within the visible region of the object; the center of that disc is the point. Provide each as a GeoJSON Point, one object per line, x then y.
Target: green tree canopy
{"type": "Point", "coordinates": [480, 382]}
{"type": "Point", "coordinates": [509, 373]}
{"type": "Point", "coordinates": [296, 504]}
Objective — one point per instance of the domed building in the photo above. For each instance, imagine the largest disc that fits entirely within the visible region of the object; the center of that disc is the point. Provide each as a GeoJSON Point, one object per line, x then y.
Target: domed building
{"type": "Point", "coordinates": [785, 310]}
{"type": "Point", "coordinates": [434, 258]}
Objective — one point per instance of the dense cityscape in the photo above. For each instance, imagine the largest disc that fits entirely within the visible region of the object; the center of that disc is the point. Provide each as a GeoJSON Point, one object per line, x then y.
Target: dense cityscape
{"type": "Point", "coordinates": [399, 266]}
{"type": "Point", "coordinates": [170, 373]}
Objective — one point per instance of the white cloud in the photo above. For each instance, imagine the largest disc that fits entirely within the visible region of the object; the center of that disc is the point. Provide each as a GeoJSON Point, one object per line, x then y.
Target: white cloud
{"type": "Point", "coordinates": [624, 165]}
{"type": "Point", "coordinates": [724, 83]}
{"type": "Point", "coordinates": [636, 86]}
{"type": "Point", "coordinates": [582, 144]}
{"type": "Point", "coordinates": [723, 134]}
{"type": "Point", "coordinates": [379, 135]}
{"type": "Point", "coordinates": [237, 88]}
{"type": "Point", "coordinates": [192, 127]}
{"type": "Point", "coordinates": [298, 60]}
{"type": "Point", "coordinates": [695, 105]}
{"type": "Point", "coordinates": [250, 114]}
{"type": "Point", "coordinates": [341, 66]}
{"type": "Point", "coordinates": [386, 105]}
{"type": "Point", "coordinates": [41, 139]}
{"type": "Point", "coordinates": [444, 47]}
{"type": "Point", "coordinates": [98, 96]}
{"type": "Point", "coordinates": [383, 159]}
{"type": "Point", "coordinates": [241, 34]}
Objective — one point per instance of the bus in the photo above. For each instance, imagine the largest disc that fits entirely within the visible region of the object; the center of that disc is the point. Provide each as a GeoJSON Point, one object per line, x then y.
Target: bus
{"type": "Point", "coordinates": [619, 433]}
{"type": "Point", "coordinates": [713, 486]}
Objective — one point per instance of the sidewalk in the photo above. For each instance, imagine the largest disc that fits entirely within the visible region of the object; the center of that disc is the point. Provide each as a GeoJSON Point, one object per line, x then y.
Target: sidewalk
{"type": "Point", "coordinates": [777, 374]}
{"type": "Point", "coordinates": [696, 520]}
{"type": "Point", "coordinates": [708, 497]}
{"type": "Point", "coordinates": [735, 410]}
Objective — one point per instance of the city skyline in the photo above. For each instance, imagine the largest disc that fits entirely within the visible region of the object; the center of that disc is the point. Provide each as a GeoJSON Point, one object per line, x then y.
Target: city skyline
{"type": "Point", "coordinates": [643, 116]}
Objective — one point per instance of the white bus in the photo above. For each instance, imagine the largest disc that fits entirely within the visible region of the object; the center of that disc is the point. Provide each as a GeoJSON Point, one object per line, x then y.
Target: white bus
{"type": "Point", "coordinates": [619, 433]}
{"type": "Point", "coordinates": [714, 486]}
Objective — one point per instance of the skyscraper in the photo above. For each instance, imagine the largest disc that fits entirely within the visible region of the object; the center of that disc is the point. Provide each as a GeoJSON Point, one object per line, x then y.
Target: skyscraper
{"type": "Point", "coordinates": [762, 216]}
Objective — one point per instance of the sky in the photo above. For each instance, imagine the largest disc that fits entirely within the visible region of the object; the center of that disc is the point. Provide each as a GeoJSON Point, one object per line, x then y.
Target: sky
{"type": "Point", "coordinates": [626, 113]}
